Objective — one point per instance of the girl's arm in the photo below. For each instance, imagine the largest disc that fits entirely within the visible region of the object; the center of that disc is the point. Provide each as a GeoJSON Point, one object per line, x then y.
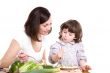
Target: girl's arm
{"type": "Point", "coordinates": [82, 62]}
{"type": "Point", "coordinates": [82, 58]}
{"type": "Point", "coordinates": [58, 56]}
{"type": "Point", "coordinates": [81, 54]}
{"type": "Point", "coordinates": [84, 66]}
{"type": "Point", "coordinates": [55, 58]}
{"type": "Point", "coordinates": [10, 54]}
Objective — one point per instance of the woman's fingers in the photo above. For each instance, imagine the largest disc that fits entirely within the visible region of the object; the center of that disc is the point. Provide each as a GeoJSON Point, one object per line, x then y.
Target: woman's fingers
{"type": "Point", "coordinates": [23, 57]}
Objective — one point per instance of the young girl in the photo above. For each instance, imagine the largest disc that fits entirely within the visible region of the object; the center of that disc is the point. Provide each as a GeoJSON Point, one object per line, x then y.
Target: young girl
{"type": "Point", "coordinates": [68, 51]}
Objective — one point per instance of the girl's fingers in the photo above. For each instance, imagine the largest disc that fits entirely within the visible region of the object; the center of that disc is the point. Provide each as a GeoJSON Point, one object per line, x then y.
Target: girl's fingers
{"type": "Point", "coordinates": [61, 52]}
{"type": "Point", "coordinates": [83, 68]}
{"type": "Point", "coordinates": [86, 67]}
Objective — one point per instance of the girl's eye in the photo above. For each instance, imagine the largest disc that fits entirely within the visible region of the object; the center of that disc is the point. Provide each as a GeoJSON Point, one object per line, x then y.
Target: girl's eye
{"type": "Point", "coordinates": [65, 32]}
{"type": "Point", "coordinates": [70, 34]}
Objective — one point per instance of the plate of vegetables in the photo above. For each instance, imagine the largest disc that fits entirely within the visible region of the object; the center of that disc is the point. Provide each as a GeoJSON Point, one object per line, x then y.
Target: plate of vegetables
{"type": "Point", "coordinates": [32, 67]}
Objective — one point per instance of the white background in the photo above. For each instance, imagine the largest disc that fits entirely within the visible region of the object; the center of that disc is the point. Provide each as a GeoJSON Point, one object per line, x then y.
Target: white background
{"type": "Point", "coordinates": [94, 16]}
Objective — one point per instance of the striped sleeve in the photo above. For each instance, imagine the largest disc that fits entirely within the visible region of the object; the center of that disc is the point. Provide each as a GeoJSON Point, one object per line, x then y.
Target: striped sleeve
{"type": "Point", "coordinates": [53, 50]}
{"type": "Point", "coordinates": [80, 53]}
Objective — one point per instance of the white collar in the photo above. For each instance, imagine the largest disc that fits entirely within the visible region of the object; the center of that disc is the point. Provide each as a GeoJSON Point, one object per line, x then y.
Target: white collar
{"type": "Point", "coordinates": [63, 43]}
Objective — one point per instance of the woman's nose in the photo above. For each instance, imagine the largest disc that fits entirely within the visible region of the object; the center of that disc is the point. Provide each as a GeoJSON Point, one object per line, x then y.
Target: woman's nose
{"type": "Point", "coordinates": [49, 27]}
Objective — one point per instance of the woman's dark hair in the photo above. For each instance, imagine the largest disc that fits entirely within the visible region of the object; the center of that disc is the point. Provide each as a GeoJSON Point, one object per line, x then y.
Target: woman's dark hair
{"type": "Point", "coordinates": [73, 26]}
{"type": "Point", "coordinates": [36, 17]}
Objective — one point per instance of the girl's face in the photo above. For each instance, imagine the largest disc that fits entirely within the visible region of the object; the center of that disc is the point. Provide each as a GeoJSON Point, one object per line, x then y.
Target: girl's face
{"type": "Point", "coordinates": [67, 36]}
{"type": "Point", "coordinates": [46, 27]}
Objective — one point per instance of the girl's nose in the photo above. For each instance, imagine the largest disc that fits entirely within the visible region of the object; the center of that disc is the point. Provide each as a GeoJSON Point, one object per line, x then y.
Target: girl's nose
{"type": "Point", "coordinates": [66, 34]}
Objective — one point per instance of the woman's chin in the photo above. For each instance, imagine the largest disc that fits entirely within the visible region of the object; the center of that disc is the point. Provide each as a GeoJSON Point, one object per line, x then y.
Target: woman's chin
{"type": "Point", "coordinates": [45, 34]}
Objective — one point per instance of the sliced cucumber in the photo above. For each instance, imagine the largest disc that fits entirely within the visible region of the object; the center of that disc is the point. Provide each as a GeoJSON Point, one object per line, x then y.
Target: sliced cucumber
{"type": "Point", "coordinates": [45, 69]}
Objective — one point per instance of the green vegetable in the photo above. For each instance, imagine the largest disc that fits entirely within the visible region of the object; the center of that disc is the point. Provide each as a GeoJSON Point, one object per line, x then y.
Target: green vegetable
{"type": "Point", "coordinates": [50, 69]}
{"type": "Point", "coordinates": [46, 69]}
{"type": "Point", "coordinates": [18, 67]}
{"type": "Point", "coordinates": [28, 66]}
{"type": "Point", "coordinates": [15, 67]}
{"type": "Point", "coordinates": [32, 67]}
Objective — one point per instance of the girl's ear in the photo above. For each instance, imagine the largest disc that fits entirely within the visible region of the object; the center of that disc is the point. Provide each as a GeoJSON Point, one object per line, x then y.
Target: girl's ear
{"type": "Point", "coordinates": [59, 33]}
{"type": "Point", "coordinates": [74, 38]}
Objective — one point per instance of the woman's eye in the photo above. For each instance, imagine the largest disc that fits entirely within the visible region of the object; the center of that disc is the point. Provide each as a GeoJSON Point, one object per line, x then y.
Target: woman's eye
{"type": "Point", "coordinates": [45, 25]}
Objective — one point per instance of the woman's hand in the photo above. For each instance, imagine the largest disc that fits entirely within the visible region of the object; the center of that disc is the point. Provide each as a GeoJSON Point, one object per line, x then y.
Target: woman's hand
{"type": "Point", "coordinates": [23, 57]}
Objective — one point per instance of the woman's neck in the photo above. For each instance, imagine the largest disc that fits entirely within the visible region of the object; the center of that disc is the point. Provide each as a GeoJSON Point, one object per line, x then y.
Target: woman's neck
{"type": "Point", "coordinates": [40, 37]}
{"type": "Point", "coordinates": [36, 45]}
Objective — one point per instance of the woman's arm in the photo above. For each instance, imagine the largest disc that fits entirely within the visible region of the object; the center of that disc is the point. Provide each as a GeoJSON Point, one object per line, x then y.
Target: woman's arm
{"type": "Point", "coordinates": [44, 57]}
{"type": "Point", "coordinates": [10, 54]}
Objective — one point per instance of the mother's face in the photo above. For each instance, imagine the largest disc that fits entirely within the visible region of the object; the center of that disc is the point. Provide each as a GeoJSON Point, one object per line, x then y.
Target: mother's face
{"type": "Point", "coordinates": [46, 27]}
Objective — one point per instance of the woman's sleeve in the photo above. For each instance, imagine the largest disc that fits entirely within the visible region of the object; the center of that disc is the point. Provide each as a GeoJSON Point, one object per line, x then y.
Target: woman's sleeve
{"type": "Point", "coordinates": [19, 38]}
{"type": "Point", "coordinates": [80, 53]}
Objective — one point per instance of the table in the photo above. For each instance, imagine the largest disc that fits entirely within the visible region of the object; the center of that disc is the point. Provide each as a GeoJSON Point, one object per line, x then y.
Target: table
{"type": "Point", "coordinates": [61, 71]}
{"type": "Point", "coordinates": [4, 70]}
{"type": "Point", "coordinates": [71, 71]}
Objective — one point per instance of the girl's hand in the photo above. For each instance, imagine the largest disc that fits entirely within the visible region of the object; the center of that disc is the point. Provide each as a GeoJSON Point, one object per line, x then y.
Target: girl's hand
{"type": "Point", "coordinates": [85, 68]}
{"type": "Point", "coordinates": [60, 53]}
{"type": "Point", "coordinates": [56, 57]}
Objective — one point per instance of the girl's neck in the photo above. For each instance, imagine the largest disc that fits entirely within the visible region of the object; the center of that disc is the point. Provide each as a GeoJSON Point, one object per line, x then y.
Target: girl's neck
{"type": "Point", "coordinates": [68, 42]}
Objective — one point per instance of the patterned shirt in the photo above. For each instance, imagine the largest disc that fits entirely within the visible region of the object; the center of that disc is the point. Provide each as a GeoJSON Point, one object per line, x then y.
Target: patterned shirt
{"type": "Point", "coordinates": [73, 53]}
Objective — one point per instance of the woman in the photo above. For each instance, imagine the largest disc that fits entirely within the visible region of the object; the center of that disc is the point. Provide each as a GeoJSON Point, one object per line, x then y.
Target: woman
{"type": "Point", "coordinates": [32, 40]}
